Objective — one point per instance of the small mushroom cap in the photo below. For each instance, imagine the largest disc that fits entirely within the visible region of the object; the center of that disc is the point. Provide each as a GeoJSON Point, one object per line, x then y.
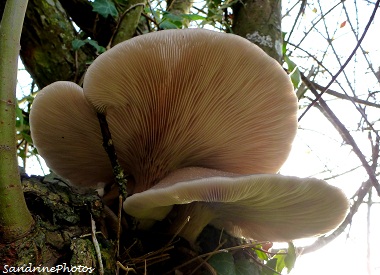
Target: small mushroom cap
{"type": "Point", "coordinates": [262, 207]}
{"type": "Point", "coordinates": [66, 133]}
{"type": "Point", "coordinates": [179, 98]}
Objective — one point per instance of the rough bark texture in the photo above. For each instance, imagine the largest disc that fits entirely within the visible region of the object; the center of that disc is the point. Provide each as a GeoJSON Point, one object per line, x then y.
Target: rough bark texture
{"type": "Point", "coordinates": [15, 219]}
{"type": "Point", "coordinates": [59, 236]}
{"type": "Point", "coordinates": [130, 15]}
{"type": "Point", "coordinates": [62, 237]}
{"type": "Point", "coordinates": [179, 7]}
{"type": "Point", "coordinates": [260, 22]}
{"type": "Point", "coordinates": [95, 26]}
{"type": "Point", "coordinates": [46, 44]}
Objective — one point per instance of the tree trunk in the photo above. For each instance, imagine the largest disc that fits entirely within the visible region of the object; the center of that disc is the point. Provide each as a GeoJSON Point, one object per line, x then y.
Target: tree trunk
{"type": "Point", "coordinates": [260, 22]}
{"type": "Point", "coordinates": [46, 44]}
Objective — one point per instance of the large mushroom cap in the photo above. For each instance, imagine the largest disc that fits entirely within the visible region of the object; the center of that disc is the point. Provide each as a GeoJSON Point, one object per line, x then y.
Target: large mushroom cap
{"type": "Point", "coordinates": [262, 207]}
{"type": "Point", "coordinates": [66, 132]}
{"type": "Point", "coordinates": [179, 98]}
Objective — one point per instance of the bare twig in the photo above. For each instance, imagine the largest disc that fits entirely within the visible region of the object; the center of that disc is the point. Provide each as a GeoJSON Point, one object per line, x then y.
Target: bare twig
{"type": "Point", "coordinates": [329, 114]}
{"type": "Point", "coordinates": [179, 230]}
{"type": "Point", "coordinates": [118, 171]}
{"type": "Point", "coordinates": [345, 96]}
{"type": "Point", "coordinates": [318, 96]}
{"type": "Point", "coordinates": [96, 245]}
{"type": "Point", "coordinates": [125, 268]}
{"type": "Point", "coordinates": [234, 248]}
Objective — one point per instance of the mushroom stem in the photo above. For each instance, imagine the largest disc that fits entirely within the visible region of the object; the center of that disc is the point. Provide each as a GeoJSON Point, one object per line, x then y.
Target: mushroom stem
{"type": "Point", "coordinates": [200, 215]}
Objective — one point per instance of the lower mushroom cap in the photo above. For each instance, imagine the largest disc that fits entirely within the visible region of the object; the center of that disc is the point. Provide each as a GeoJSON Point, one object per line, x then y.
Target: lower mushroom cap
{"type": "Point", "coordinates": [261, 207]}
{"type": "Point", "coordinates": [66, 133]}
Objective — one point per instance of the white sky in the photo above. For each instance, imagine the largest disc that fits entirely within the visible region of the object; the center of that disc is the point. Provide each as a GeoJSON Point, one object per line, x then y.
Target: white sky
{"type": "Point", "coordinates": [318, 147]}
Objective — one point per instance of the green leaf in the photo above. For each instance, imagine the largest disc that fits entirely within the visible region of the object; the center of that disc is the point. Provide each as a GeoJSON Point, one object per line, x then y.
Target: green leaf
{"type": "Point", "coordinates": [291, 257]}
{"type": "Point", "coordinates": [269, 267]}
{"type": "Point", "coordinates": [223, 263]}
{"type": "Point", "coordinates": [76, 44]}
{"type": "Point", "coordinates": [295, 75]}
{"type": "Point", "coordinates": [280, 263]}
{"type": "Point", "coordinates": [19, 117]}
{"type": "Point", "coordinates": [168, 25]}
{"type": "Point", "coordinates": [95, 44]}
{"type": "Point", "coordinates": [79, 43]}
{"type": "Point", "coordinates": [284, 44]}
{"type": "Point", "coordinates": [26, 136]}
{"type": "Point", "coordinates": [193, 17]}
{"type": "Point", "coordinates": [262, 255]}
{"type": "Point", "coordinates": [172, 17]}
{"type": "Point", "coordinates": [104, 8]}
{"type": "Point", "coordinates": [245, 267]}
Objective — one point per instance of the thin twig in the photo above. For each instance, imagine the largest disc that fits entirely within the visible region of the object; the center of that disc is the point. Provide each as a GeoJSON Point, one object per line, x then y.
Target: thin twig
{"type": "Point", "coordinates": [345, 96]}
{"type": "Point", "coordinates": [96, 245]}
{"type": "Point", "coordinates": [329, 114]}
{"type": "Point", "coordinates": [243, 246]}
{"type": "Point", "coordinates": [179, 230]}
{"type": "Point", "coordinates": [204, 261]}
{"type": "Point", "coordinates": [109, 147]}
{"type": "Point", "coordinates": [125, 268]}
{"type": "Point", "coordinates": [118, 232]}
{"type": "Point", "coordinates": [318, 96]}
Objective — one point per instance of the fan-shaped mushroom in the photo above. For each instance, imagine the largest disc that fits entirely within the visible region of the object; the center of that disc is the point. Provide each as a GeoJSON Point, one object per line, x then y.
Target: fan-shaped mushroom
{"type": "Point", "coordinates": [65, 130]}
{"type": "Point", "coordinates": [175, 99]}
{"type": "Point", "coordinates": [180, 98]}
{"type": "Point", "coordinates": [264, 207]}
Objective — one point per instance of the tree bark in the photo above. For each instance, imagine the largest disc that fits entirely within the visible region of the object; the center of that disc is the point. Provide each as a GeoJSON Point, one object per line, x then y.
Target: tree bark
{"type": "Point", "coordinates": [15, 219]}
{"type": "Point", "coordinates": [259, 21]}
{"type": "Point", "coordinates": [95, 26]}
{"type": "Point", "coordinates": [46, 44]}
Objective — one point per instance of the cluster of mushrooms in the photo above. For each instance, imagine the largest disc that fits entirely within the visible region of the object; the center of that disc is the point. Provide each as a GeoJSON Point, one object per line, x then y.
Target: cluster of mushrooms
{"type": "Point", "coordinates": [201, 121]}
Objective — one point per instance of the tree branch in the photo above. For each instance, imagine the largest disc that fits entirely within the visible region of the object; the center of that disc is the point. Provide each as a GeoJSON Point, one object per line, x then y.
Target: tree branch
{"type": "Point", "coordinates": [344, 96]}
{"type": "Point", "coordinates": [15, 219]}
{"type": "Point", "coordinates": [318, 96]}
{"type": "Point", "coordinates": [329, 114]}
{"type": "Point", "coordinates": [97, 27]}
{"type": "Point", "coordinates": [46, 44]}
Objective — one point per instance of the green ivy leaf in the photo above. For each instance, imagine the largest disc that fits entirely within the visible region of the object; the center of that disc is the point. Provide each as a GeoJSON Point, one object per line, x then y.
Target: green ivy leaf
{"type": "Point", "coordinates": [19, 116]}
{"type": "Point", "coordinates": [168, 25]}
{"type": "Point", "coordinates": [193, 17]}
{"type": "Point", "coordinates": [104, 8]}
{"type": "Point", "coordinates": [95, 44]}
{"type": "Point", "coordinates": [77, 44]}
{"type": "Point", "coordinates": [284, 44]}
{"type": "Point", "coordinates": [269, 267]}
{"type": "Point", "coordinates": [245, 267]}
{"type": "Point", "coordinates": [223, 263]}
{"type": "Point", "coordinates": [291, 257]}
{"type": "Point", "coordinates": [262, 255]}
{"type": "Point", "coordinates": [26, 136]}
{"type": "Point", "coordinates": [280, 263]}
{"type": "Point", "coordinates": [172, 17]}
{"type": "Point", "coordinates": [295, 75]}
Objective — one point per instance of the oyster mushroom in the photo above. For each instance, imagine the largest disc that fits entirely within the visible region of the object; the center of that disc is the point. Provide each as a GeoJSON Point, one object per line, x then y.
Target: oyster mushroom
{"type": "Point", "coordinates": [263, 207]}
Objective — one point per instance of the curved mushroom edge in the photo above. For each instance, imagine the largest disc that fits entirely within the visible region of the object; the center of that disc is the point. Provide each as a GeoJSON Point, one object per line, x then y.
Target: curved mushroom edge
{"type": "Point", "coordinates": [65, 130]}
{"type": "Point", "coordinates": [191, 94]}
{"type": "Point", "coordinates": [262, 207]}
